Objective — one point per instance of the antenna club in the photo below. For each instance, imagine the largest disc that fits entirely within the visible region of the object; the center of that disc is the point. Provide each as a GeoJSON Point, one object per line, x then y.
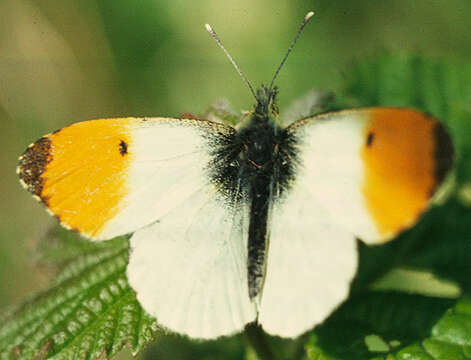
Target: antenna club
{"type": "Point", "coordinates": [216, 38]}
{"type": "Point", "coordinates": [309, 15]}
{"type": "Point", "coordinates": [301, 27]}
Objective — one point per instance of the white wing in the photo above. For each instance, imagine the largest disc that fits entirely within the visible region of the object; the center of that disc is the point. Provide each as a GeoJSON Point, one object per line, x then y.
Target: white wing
{"type": "Point", "coordinates": [170, 160]}
{"type": "Point", "coordinates": [310, 265]}
{"type": "Point", "coordinates": [331, 167]}
{"type": "Point", "coordinates": [311, 259]}
{"type": "Point", "coordinates": [109, 177]}
{"type": "Point", "coordinates": [365, 173]}
{"type": "Point", "coordinates": [189, 269]}
{"type": "Point", "coordinates": [373, 170]}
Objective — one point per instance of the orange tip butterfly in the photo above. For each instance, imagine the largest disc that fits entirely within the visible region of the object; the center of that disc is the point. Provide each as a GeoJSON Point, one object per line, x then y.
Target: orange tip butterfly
{"type": "Point", "coordinates": [252, 223]}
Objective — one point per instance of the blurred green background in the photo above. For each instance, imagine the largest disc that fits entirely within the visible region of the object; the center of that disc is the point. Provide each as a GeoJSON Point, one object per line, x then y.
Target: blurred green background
{"type": "Point", "coordinates": [67, 61]}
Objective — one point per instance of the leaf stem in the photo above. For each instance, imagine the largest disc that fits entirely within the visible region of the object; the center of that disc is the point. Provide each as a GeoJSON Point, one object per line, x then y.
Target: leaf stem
{"type": "Point", "coordinates": [258, 340]}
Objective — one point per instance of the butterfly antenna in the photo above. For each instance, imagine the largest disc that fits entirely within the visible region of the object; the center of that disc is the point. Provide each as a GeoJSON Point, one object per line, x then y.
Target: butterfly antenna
{"type": "Point", "coordinates": [309, 15]}
{"type": "Point", "coordinates": [216, 38]}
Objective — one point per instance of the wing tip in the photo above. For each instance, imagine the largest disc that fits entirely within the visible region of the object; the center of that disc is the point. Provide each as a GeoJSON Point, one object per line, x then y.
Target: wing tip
{"type": "Point", "coordinates": [444, 152]}
{"type": "Point", "coordinates": [32, 164]}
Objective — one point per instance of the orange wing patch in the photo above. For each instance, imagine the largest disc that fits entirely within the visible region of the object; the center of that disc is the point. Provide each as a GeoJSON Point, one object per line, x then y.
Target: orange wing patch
{"type": "Point", "coordinates": [406, 155]}
{"type": "Point", "coordinates": [80, 172]}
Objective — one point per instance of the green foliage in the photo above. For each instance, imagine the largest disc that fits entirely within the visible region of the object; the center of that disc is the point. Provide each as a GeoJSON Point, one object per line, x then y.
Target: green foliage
{"type": "Point", "coordinates": [134, 34]}
{"type": "Point", "coordinates": [393, 326]}
{"type": "Point", "coordinates": [91, 312]}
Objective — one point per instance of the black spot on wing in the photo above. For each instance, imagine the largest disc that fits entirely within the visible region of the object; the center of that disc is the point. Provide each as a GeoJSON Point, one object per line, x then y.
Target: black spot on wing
{"type": "Point", "coordinates": [123, 147]}
{"type": "Point", "coordinates": [32, 165]}
{"type": "Point", "coordinates": [369, 139]}
{"type": "Point", "coordinates": [444, 152]}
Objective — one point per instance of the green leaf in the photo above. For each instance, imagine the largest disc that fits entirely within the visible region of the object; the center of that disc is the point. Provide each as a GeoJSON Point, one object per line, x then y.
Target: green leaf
{"type": "Point", "coordinates": [59, 247]}
{"type": "Point", "coordinates": [90, 312]}
{"type": "Point", "coordinates": [395, 326]}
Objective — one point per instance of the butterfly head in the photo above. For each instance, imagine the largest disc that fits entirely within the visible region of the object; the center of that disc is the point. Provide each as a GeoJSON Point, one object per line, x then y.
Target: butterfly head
{"type": "Point", "coordinates": [266, 101]}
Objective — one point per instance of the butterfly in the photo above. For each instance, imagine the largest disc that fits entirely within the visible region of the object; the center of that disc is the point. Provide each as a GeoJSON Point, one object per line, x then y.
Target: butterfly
{"type": "Point", "coordinates": [253, 223]}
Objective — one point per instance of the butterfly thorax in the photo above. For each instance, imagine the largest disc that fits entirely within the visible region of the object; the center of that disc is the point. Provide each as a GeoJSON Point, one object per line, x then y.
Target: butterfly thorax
{"type": "Point", "coordinates": [261, 134]}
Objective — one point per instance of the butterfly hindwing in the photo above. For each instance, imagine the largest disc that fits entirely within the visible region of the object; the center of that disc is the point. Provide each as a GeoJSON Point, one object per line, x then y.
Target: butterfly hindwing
{"type": "Point", "coordinates": [309, 267]}
{"type": "Point", "coordinates": [189, 269]}
{"type": "Point", "coordinates": [109, 177]}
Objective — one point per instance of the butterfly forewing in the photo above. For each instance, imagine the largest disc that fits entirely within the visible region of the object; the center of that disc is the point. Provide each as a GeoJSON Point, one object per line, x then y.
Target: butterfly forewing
{"type": "Point", "coordinates": [373, 170]}
{"type": "Point", "coordinates": [109, 177]}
